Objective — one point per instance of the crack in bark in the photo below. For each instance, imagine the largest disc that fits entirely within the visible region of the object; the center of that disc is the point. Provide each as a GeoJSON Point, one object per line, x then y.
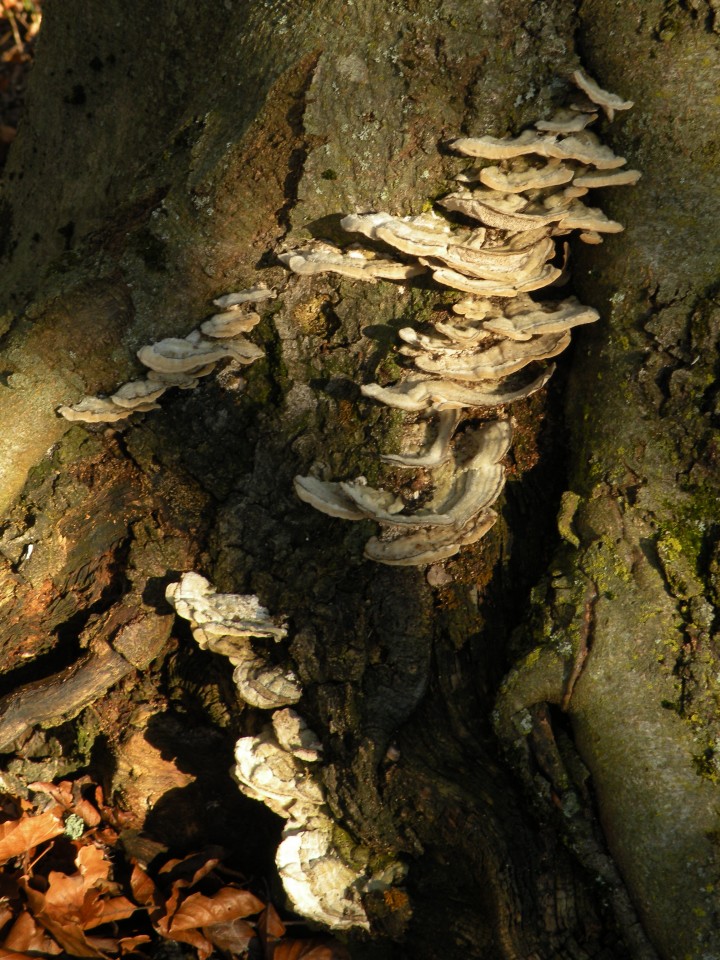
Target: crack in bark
{"type": "Point", "coordinates": [295, 117]}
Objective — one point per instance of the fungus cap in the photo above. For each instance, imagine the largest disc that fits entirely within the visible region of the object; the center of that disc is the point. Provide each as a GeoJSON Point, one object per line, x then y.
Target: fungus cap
{"type": "Point", "coordinates": [430, 544]}
{"type": "Point", "coordinates": [423, 393]}
{"type": "Point", "coordinates": [95, 410]}
{"type": "Point", "coordinates": [526, 177]}
{"type": "Point", "coordinates": [609, 102]}
{"type": "Point", "coordinates": [435, 453]}
{"type": "Point", "coordinates": [294, 735]}
{"type": "Point", "coordinates": [320, 885]}
{"type": "Point", "coordinates": [498, 361]}
{"type": "Point", "coordinates": [252, 295]}
{"type": "Point", "coordinates": [265, 686]}
{"type": "Point", "coordinates": [230, 323]}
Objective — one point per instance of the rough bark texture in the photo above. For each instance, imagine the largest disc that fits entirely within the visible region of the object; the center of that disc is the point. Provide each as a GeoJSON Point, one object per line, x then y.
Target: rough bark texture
{"type": "Point", "coordinates": [167, 152]}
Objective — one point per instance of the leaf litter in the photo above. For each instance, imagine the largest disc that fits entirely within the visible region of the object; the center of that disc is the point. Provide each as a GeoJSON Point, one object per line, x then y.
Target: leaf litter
{"type": "Point", "coordinates": [82, 897]}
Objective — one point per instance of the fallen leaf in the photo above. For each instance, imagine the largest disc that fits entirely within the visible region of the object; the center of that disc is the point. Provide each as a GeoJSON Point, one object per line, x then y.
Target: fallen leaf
{"type": "Point", "coordinates": [62, 926]}
{"type": "Point", "coordinates": [232, 937]}
{"type": "Point", "coordinates": [114, 909]}
{"type": "Point", "coordinates": [310, 950]}
{"type": "Point", "coordinates": [191, 869]}
{"type": "Point", "coordinates": [62, 792]}
{"type": "Point", "coordinates": [270, 926]}
{"type": "Point", "coordinates": [19, 836]}
{"type": "Point", "coordinates": [26, 934]}
{"type": "Point", "coordinates": [69, 795]}
{"type": "Point", "coordinates": [201, 911]}
{"type": "Point", "coordinates": [196, 939]}
{"type": "Point", "coordinates": [128, 944]}
{"type": "Point", "coordinates": [143, 887]}
{"type": "Point", "coordinates": [6, 914]}
{"type": "Point", "coordinates": [69, 934]}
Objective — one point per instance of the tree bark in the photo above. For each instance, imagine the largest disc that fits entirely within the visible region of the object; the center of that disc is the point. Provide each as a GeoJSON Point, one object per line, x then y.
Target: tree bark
{"type": "Point", "coordinates": [552, 705]}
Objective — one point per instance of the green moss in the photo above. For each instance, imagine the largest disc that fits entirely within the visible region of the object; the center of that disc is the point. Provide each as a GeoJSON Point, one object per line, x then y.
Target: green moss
{"type": "Point", "coordinates": [86, 732]}
{"type": "Point", "coordinates": [684, 528]}
{"type": "Point", "coordinates": [707, 764]}
{"type": "Point", "coordinates": [568, 507]}
{"type": "Point", "coordinates": [531, 659]}
{"type": "Point", "coordinates": [277, 373]}
{"type": "Point", "coordinates": [389, 370]}
{"type": "Point", "coordinates": [339, 363]}
{"type": "Point", "coordinates": [6, 322]}
{"type": "Point", "coordinates": [603, 565]}
{"type": "Point", "coordinates": [76, 444]}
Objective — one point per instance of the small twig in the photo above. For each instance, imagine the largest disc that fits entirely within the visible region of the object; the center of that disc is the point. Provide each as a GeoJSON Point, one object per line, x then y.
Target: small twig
{"type": "Point", "coordinates": [14, 27]}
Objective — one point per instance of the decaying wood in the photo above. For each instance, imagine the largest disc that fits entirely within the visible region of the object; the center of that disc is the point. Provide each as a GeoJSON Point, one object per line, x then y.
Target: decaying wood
{"type": "Point", "coordinates": [62, 696]}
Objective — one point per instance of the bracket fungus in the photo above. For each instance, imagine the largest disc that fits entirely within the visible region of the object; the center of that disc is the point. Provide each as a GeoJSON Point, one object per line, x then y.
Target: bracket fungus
{"type": "Point", "coordinates": [180, 361]}
{"type": "Point", "coordinates": [221, 614]}
{"type": "Point", "coordinates": [356, 264]}
{"type": "Point", "coordinates": [276, 767]}
{"type": "Point", "coordinates": [254, 294]}
{"type": "Point", "coordinates": [426, 393]}
{"type": "Point", "coordinates": [458, 516]}
{"type": "Point", "coordinates": [295, 736]}
{"type": "Point", "coordinates": [322, 884]}
{"type": "Point", "coordinates": [264, 685]}
{"type": "Point", "coordinates": [225, 623]}
{"type": "Point", "coordinates": [491, 348]}
{"type": "Point", "coordinates": [436, 452]}
{"type": "Point", "coordinates": [610, 102]}
{"type": "Point", "coordinates": [268, 772]}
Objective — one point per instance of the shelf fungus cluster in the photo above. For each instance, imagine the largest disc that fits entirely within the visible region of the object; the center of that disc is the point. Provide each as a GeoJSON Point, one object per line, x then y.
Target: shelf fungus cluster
{"type": "Point", "coordinates": [278, 766]}
{"type": "Point", "coordinates": [498, 247]}
{"type": "Point", "coordinates": [181, 361]}
{"type": "Point", "coordinates": [225, 623]}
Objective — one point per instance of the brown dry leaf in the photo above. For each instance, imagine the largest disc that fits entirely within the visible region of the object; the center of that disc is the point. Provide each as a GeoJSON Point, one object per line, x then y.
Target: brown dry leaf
{"type": "Point", "coordinates": [162, 917]}
{"type": "Point", "coordinates": [191, 869]}
{"type": "Point", "coordinates": [62, 792]}
{"type": "Point", "coordinates": [74, 903]}
{"type": "Point", "coordinates": [68, 933]}
{"type": "Point", "coordinates": [68, 896]}
{"type": "Point", "coordinates": [143, 887]}
{"type": "Point", "coordinates": [201, 911]}
{"type": "Point", "coordinates": [170, 865]}
{"type": "Point", "coordinates": [94, 867]}
{"type": "Point", "coordinates": [311, 950]}
{"type": "Point", "coordinates": [6, 914]}
{"type": "Point", "coordinates": [128, 944]}
{"type": "Point", "coordinates": [68, 794]}
{"type": "Point", "coordinates": [270, 926]}
{"type": "Point", "coordinates": [233, 937]}
{"type": "Point", "coordinates": [26, 934]}
{"type": "Point", "coordinates": [196, 939]}
{"type": "Point", "coordinates": [19, 836]}
{"type": "Point", "coordinates": [90, 816]}
{"type": "Point", "coordinates": [114, 909]}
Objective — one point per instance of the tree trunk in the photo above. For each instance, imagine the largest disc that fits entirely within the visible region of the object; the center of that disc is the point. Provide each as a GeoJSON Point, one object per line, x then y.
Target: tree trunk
{"type": "Point", "coordinates": [541, 723]}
